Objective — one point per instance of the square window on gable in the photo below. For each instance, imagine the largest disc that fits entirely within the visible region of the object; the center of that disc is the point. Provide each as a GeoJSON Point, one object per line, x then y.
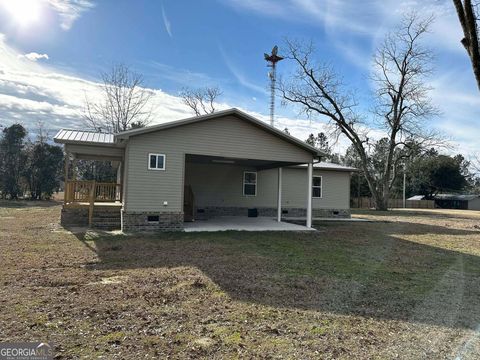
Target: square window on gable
{"type": "Point", "coordinates": [156, 161]}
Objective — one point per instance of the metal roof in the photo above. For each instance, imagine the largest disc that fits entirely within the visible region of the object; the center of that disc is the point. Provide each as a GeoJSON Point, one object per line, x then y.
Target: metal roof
{"type": "Point", "coordinates": [331, 166]}
{"type": "Point", "coordinates": [322, 165]}
{"type": "Point", "coordinates": [417, 197]}
{"type": "Point", "coordinates": [466, 197]}
{"type": "Point", "coordinates": [82, 136]}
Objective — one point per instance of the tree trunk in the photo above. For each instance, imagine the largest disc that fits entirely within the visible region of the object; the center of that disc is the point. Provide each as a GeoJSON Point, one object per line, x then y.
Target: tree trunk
{"type": "Point", "coordinates": [467, 17]}
{"type": "Point", "coordinates": [381, 200]}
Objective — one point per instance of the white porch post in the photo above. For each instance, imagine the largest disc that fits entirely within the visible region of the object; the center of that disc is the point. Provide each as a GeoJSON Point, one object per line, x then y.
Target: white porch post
{"type": "Point", "coordinates": [309, 192]}
{"type": "Point", "coordinates": [279, 195]}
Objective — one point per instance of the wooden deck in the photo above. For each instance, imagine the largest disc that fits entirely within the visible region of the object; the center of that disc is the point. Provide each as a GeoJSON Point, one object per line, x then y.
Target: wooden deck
{"type": "Point", "coordinates": [91, 194]}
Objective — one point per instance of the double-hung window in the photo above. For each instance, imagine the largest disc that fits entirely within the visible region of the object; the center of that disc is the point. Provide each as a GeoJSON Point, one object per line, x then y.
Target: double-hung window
{"type": "Point", "coordinates": [156, 162]}
{"type": "Point", "coordinates": [317, 187]}
{"type": "Point", "coordinates": [249, 183]}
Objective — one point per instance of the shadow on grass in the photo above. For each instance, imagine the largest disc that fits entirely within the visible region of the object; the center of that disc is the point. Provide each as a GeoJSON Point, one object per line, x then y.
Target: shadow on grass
{"type": "Point", "coordinates": [360, 269]}
{"type": "Point", "coordinates": [20, 204]}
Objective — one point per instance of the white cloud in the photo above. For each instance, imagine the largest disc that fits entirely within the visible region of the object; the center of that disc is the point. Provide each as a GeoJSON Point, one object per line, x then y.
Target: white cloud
{"type": "Point", "coordinates": [240, 76]}
{"type": "Point", "coordinates": [31, 91]}
{"type": "Point", "coordinates": [345, 22]}
{"type": "Point", "coordinates": [33, 56]}
{"type": "Point", "coordinates": [356, 28]}
{"type": "Point", "coordinates": [166, 22]}
{"type": "Point", "coordinates": [70, 10]}
{"type": "Point", "coordinates": [183, 77]}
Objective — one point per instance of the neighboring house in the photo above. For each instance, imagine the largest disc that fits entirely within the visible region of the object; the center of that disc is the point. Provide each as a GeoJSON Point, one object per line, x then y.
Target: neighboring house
{"type": "Point", "coordinates": [226, 163]}
{"type": "Point", "coordinates": [453, 201]}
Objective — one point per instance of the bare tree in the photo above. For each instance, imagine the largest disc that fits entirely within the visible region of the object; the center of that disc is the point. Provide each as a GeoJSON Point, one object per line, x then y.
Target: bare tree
{"type": "Point", "coordinates": [468, 16]}
{"type": "Point", "coordinates": [401, 65]}
{"type": "Point", "coordinates": [201, 101]}
{"type": "Point", "coordinates": [124, 104]}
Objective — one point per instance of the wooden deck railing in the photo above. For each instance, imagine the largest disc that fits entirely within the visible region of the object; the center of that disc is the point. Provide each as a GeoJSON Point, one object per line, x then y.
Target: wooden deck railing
{"type": "Point", "coordinates": [90, 192]}
{"type": "Point", "coordinates": [87, 190]}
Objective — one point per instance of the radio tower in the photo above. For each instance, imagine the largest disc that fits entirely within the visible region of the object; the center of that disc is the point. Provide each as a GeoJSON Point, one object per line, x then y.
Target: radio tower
{"type": "Point", "coordinates": [272, 60]}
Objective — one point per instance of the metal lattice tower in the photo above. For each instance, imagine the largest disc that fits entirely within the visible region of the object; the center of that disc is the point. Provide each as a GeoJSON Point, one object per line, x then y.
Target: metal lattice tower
{"type": "Point", "coordinates": [272, 60]}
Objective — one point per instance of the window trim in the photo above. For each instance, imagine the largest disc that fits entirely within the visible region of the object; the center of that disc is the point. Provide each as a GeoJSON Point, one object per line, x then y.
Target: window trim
{"type": "Point", "coordinates": [318, 187]}
{"type": "Point", "coordinates": [157, 155]}
{"type": "Point", "coordinates": [245, 183]}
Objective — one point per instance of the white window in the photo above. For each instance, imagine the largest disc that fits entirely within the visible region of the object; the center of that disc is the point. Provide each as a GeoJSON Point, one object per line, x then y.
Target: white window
{"type": "Point", "coordinates": [317, 187]}
{"type": "Point", "coordinates": [250, 183]}
{"type": "Point", "coordinates": [156, 162]}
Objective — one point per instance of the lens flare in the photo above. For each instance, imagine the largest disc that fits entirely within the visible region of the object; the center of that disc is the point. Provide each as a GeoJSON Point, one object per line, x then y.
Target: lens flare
{"type": "Point", "coordinates": [22, 12]}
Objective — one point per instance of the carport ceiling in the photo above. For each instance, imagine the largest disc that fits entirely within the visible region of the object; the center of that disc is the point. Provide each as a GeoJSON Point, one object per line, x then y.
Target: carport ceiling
{"type": "Point", "coordinates": [220, 160]}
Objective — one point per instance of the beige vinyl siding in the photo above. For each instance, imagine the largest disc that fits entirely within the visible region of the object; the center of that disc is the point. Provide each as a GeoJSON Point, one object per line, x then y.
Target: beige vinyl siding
{"type": "Point", "coordinates": [335, 189]}
{"type": "Point", "coordinates": [228, 136]}
{"type": "Point", "coordinates": [221, 185]}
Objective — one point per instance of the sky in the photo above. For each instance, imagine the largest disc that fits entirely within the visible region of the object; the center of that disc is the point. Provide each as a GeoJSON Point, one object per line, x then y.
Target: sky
{"type": "Point", "coordinates": [52, 53]}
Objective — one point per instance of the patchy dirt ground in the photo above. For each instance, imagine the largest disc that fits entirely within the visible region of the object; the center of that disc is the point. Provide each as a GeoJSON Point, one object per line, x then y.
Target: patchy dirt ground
{"type": "Point", "coordinates": [406, 286]}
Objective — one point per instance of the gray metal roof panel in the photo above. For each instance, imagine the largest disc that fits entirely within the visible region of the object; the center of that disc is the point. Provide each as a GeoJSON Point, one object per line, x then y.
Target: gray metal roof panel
{"type": "Point", "coordinates": [322, 165]}
{"type": "Point", "coordinates": [456, 196]}
{"type": "Point", "coordinates": [83, 136]}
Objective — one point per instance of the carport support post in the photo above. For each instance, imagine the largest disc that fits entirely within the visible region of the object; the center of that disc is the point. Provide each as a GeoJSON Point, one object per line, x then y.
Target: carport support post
{"type": "Point", "coordinates": [279, 195]}
{"type": "Point", "coordinates": [309, 192]}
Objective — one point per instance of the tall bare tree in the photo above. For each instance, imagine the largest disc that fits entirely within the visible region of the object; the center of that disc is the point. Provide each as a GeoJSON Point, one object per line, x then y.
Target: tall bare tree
{"type": "Point", "coordinates": [124, 103]}
{"type": "Point", "coordinates": [401, 65]}
{"type": "Point", "coordinates": [468, 16]}
{"type": "Point", "coordinates": [201, 101]}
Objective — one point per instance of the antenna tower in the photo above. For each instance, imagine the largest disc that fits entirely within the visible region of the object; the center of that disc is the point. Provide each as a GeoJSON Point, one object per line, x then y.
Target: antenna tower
{"type": "Point", "coordinates": [272, 60]}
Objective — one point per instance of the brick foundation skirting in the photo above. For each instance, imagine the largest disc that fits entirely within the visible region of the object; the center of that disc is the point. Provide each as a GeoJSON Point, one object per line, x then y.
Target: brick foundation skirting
{"type": "Point", "coordinates": [208, 212]}
{"type": "Point", "coordinates": [105, 218]}
{"type": "Point", "coordinates": [159, 221]}
{"type": "Point", "coordinates": [74, 217]}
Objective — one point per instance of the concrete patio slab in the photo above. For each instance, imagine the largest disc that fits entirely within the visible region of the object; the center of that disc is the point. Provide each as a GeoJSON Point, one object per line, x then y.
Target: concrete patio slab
{"type": "Point", "coordinates": [240, 223]}
{"type": "Point", "coordinates": [328, 219]}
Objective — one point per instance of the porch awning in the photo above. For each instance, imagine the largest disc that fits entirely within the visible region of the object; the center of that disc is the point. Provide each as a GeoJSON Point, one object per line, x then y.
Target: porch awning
{"type": "Point", "coordinates": [90, 145]}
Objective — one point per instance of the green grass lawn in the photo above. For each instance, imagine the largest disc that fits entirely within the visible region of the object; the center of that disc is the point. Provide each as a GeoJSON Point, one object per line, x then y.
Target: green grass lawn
{"type": "Point", "coordinates": [403, 286]}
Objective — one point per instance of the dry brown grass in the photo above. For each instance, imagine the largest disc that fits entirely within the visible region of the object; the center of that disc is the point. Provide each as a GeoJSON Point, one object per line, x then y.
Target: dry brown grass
{"type": "Point", "coordinates": [405, 286]}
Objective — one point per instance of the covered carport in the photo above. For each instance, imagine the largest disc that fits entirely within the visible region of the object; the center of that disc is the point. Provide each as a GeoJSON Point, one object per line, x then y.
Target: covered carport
{"type": "Point", "coordinates": [215, 193]}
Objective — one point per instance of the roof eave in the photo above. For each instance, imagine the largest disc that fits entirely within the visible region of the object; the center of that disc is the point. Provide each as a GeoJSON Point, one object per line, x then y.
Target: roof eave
{"type": "Point", "coordinates": [87, 143]}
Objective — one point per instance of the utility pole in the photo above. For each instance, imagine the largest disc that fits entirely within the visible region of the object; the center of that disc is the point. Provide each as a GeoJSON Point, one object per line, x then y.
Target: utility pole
{"type": "Point", "coordinates": [358, 190]}
{"type": "Point", "coordinates": [404, 185]}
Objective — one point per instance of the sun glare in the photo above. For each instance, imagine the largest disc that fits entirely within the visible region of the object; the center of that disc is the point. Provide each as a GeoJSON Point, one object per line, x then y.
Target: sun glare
{"type": "Point", "coordinates": [23, 12]}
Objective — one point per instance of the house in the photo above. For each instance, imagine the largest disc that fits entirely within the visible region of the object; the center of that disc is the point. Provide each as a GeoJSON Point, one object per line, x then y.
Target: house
{"type": "Point", "coordinates": [223, 164]}
{"type": "Point", "coordinates": [453, 201]}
